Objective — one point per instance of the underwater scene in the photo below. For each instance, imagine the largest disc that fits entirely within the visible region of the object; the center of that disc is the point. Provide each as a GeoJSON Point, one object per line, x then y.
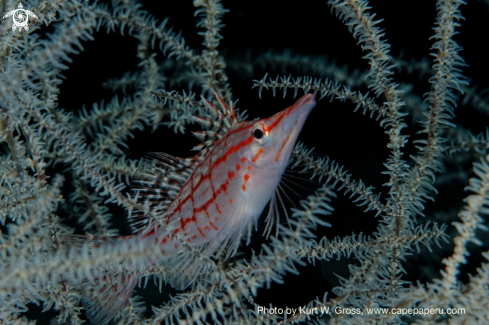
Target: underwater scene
{"type": "Point", "coordinates": [244, 162]}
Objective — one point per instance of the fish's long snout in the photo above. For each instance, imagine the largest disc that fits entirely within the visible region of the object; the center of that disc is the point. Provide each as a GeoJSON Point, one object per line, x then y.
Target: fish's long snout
{"type": "Point", "coordinates": [297, 113]}
{"type": "Point", "coordinates": [293, 119]}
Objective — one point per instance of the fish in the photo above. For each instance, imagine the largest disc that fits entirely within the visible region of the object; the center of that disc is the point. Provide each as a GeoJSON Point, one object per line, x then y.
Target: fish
{"type": "Point", "coordinates": [210, 200]}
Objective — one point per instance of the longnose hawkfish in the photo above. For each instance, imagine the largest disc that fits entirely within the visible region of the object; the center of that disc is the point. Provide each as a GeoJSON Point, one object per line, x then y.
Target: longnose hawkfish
{"type": "Point", "coordinates": [209, 200]}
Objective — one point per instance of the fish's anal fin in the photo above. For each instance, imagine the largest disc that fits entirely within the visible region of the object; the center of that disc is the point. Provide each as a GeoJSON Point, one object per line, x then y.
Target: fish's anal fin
{"type": "Point", "coordinates": [105, 297]}
{"type": "Point", "coordinates": [157, 181]}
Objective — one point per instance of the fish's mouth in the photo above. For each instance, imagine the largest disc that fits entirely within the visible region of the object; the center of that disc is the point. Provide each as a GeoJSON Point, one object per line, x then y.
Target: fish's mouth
{"type": "Point", "coordinates": [302, 118]}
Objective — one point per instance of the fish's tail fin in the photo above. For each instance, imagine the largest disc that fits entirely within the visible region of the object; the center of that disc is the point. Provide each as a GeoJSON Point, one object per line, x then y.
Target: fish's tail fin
{"type": "Point", "coordinates": [104, 296]}
{"type": "Point", "coordinates": [107, 295]}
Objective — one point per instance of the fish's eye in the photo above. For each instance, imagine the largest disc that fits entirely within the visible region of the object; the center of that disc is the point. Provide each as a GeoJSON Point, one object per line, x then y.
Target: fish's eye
{"type": "Point", "coordinates": [259, 133]}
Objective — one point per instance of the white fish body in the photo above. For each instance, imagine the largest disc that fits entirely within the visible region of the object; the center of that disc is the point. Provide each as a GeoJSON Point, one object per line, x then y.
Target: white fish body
{"type": "Point", "coordinates": [210, 200]}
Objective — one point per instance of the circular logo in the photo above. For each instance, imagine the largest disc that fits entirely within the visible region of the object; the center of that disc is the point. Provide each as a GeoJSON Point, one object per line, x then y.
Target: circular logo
{"type": "Point", "coordinates": [20, 18]}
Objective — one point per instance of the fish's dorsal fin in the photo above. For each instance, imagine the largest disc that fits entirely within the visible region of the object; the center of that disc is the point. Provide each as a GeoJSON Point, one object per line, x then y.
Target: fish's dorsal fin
{"type": "Point", "coordinates": [158, 180]}
{"type": "Point", "coordinates": [160, 177]}
{"type": "Point", "coordinates": [221, 118]}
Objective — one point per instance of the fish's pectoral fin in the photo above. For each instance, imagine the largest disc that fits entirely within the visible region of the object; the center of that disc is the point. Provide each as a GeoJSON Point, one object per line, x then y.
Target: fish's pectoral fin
{"type": "Point", "coordinates": [106, 296]}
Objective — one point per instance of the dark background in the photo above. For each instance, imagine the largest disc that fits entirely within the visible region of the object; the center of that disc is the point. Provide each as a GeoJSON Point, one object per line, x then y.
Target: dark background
{"type": "Point", "coordinates": [353, 140]}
